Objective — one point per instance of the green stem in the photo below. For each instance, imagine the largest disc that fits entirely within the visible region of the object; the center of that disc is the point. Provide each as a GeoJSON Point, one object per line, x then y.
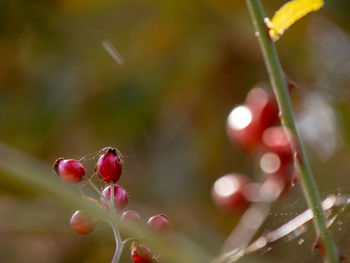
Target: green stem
{"type": "Point", "coordinates": [280, 88]}
{"type": "Point", "coordinates": [119, 245]}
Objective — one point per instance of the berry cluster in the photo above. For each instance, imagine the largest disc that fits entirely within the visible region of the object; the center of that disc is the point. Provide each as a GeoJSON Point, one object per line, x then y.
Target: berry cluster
{"type": "Point", "coordinates": [254, 127]}
{"type": "Point", "coordinates": [113, 198]}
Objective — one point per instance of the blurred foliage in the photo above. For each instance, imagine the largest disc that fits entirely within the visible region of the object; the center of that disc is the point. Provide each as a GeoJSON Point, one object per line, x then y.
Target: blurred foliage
{"type": "Point", "coordinates": [186, 65]}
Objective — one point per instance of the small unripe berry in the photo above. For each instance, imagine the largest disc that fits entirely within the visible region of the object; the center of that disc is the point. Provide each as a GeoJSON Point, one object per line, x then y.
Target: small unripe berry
{"type": "Point", "coordinates": [228, 193]}
{"type": "Point", "coordinates": [130, 216]}
{"type": "Point", "coordinates": [158, 223]}
{"type": "Point", "coordinates": [82, 223]}
{"type": "Point", "coordinates": [109, 166]}
{"type": "Point", "coordinates": [141, 254]}
{"type": "Point", "coordinates": [120, 197]}
{"type": "Point", "coordinates": [71, 171]}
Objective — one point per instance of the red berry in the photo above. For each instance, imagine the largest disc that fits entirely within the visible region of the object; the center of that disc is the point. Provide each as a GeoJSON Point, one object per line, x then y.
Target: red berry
{"type": "Point", "coordinates": [82, 223]}
{"type": "Point", "coordinates": [158, 223]}
{"type": "Point", "coordinates": [283, 172]}
{"type": "Point", "coordinates": [109, 166]}
{"type": "Point", "coordinates": [141, 254]}
{"type": "Point", "coordinates": [71, 171]}
{"type": "Point", "coordinates": [246, 123]}
{"type": "Point", "coordinates": [263, 106]}
{"type": "Point", "coordinates": [130, 216]}
{"type": "Point", "coordinates": [120, 197]}
{"type": "Point", "coordinates": [229, 192]}
{"type": "Point", "coordinates": [242, 129]}
{"type": "Point", "coordinates": [275, 139]}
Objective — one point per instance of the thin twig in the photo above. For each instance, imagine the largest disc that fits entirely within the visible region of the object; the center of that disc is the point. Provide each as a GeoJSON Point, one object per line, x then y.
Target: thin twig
{"type": "Point", "coordinates": [283, 98]}
{"type": "Point", "coordinates": [119, 245]}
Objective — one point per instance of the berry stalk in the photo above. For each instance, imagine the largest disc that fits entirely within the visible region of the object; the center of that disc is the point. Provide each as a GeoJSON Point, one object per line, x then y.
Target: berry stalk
{"type": "Point", "coordinates": [118, 242]}
{"type": "Point", "coordinates": [280, 88]}
{"type": "Point", "coordinates": [119, 245]}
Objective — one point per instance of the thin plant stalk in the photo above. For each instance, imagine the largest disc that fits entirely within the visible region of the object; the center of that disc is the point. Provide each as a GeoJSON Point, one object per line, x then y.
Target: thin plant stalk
{"type": "Point", "coordinates": [119, 246]}
{"type": "Point", "coordinates": [280, 88]}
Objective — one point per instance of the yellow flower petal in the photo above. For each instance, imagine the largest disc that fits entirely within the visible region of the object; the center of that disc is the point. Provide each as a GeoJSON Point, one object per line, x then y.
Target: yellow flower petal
{"type": "Point", "coordinates": [289, 13]}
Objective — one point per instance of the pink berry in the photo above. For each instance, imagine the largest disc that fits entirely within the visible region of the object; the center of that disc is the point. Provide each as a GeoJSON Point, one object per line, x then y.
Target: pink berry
{"type": "Point", "coordinates": [141, 254]}
{"type": "Point", "coordinates": [82, 223]}
{"type": "Point", "coordinates": [71, 171]}
{"type": "Point", "coordinates": [109, 166]}
{"type": "Point", "coordinates": [158, 223]}
{"type": "Point", "coordinates": [130, 216]}
{"type": "Point", "coordinates": [120, 197]}
{"type": "Point", "coordinates": [228, 193]}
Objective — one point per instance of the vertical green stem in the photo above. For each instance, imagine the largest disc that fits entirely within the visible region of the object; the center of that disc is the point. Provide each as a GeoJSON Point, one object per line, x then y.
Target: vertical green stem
{"type": "Point", "coordinates": [280, 88]}
{"type": "Point", "coordinates": [119, 245]}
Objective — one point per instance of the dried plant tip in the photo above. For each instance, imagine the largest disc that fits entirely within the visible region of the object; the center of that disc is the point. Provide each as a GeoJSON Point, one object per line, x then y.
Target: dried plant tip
{"type": "Point", "coordinates": [291, 84]}
{"type": "Point", "coordinates": [320, 247]}
{"type": "Point", "coordinates": [55, 166]}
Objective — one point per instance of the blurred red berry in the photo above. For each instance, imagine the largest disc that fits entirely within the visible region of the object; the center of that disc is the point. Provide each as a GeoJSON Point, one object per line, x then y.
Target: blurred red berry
{"type": "Point", "coordinates": [82, 223]}
{"type": "Point", "coordinates": [130, 216]}
{"type": "Point", "coordinates": [283, 172]}
{"type": "Point", "coordinates": [242, 129]}
{"type": "Point", "coordinates": [228, 192]}
{"type": "Point", "coordinates": [71, 171]}
{"type": "Point", "coordinates": [158, 223]}
{"type": "Point", "coordinates": [275, 139]}
{"type": "Point", "coordinates": [246, 123]}
{"type": "Point", "coordinates": [141, 254]}
{"type": "Point", "coordinates": [284, 177]}
{"type": "Point", "coordinates": [109, 166]}
{"type": "Point", "coordinates": [120, 197]}
{"type": "Point", "coordinates": [263, 106]}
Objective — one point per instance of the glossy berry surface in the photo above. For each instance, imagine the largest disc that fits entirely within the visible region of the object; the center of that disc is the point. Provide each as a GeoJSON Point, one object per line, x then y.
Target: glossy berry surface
{"type": "Point", "coordinates": [242, 129]}
{"type": "Point", "coordinates": [158, 223]}
{"type": "Point", "coordinates": [109, 166]}
{"type": "Point", "coordinates": [82, 223]}
{"type": "Point", "coordinates": [246, 123]}
{"type": "Point", "coordinates": [141, 254]}
{"type": "Point", "coordinates": [130, 216]}
{"type": "Point", "coordinates": [228, 193]}
{"type": "Point", "coordinates": [71, 171]}
{"type": "Point", "coordinates": [120, 197]}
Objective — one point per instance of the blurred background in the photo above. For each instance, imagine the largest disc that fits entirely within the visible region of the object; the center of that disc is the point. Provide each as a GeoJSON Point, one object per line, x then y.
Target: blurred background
{"type": "Point", "coordinates": [186, 65]}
